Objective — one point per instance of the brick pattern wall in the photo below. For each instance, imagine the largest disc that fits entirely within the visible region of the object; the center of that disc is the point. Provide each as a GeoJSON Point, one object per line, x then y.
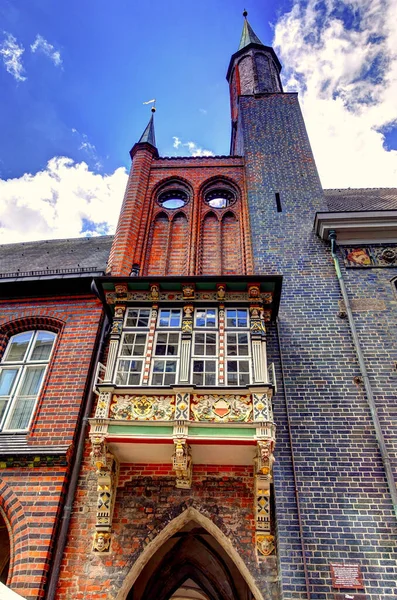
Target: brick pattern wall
{"type": "Point", "coordinates": [147, 501]}
{"type": "Point", "coordinates": [31, 496]}
{"type": "Point", "coordinates": [346, 508]}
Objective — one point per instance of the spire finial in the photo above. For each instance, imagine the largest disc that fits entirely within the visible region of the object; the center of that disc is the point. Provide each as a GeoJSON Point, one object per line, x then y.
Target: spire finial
{"type": "Point", "coordinates": [245, 13]}
{"type": "Point", "coordinates": [153, 109]}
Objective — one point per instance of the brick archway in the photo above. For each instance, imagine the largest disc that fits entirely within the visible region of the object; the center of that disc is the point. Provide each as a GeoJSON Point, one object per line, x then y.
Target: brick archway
{"type": "Point", "coordinates": [14, 517]}
{"type": "Point", "coordinates": [175, 526]}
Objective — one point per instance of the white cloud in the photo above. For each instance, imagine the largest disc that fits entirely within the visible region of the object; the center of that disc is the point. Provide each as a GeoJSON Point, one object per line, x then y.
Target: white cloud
{"type": "Point", "coordinates": [192, 147]}
{"type": "Point", "coordinates": [42, 45]}
{"type": "Point", "coordinates": [11, 53]}
{"type": "Point", "coordinates": [203, 111]}
{"type": "Point", "coordinates": [58, 201]}
{"type": "Point", "coordinates": [344, 66]}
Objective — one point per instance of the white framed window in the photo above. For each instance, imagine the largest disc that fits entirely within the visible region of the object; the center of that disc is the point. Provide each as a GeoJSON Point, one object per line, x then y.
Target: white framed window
{"type": "Point", "coordinates": [132, 345]}
{"type": "Point", "coordinates": [238, 372]}
{"type": "Point", "coordinates": [204, 372]}
{"type": "Point", "coordinates": [129, 372]}
{"type": "Point", "coordinates": [170, 317]}
{"type": "Point", "coordinates": [237, 344]}
{"type": "Point", "coordinates": [205, 344]}
{"type": "Point", "coordinates": [167, 344]}
{"type": "Point", "coordinates": [22, 372]}
{"type": "Point", "coordinates": [164, 370]}
{"type": "Point", "coordinates": [238, 347]}
{"type": "Point", "coordinates": [237, 318]}
{"type": "Point", "coordinates": [137, 318]}
{"type": "Point", "coordinates": [206, 318]}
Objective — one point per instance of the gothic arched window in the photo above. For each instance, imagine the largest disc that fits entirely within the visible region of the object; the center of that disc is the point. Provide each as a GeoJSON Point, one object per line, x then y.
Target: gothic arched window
{"type": "Point", "coordinates": [22, 372]}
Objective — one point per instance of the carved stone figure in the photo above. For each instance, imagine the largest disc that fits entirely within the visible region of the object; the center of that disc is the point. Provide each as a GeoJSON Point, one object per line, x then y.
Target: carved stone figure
{"type": "Point", "coordinates": [101, 541]}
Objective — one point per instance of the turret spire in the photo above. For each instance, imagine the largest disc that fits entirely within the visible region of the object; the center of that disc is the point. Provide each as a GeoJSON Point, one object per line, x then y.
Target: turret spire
{"type": "Point", "coordinates": [248, 35]}
{"type": "Point", "coordinates": [148, 136]}
{"type": "Point", "coordinates": [147, 141]}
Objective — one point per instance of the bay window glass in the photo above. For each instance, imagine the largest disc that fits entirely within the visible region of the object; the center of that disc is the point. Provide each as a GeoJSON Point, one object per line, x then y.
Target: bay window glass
{"type": "Point", "coordinates": [236, 317]}
{"type": "Point", "coordinates": [205, 317]}
{"type": "Point", "coordinates": [137, 317]}
{"type": "Point", "coordinates": [170, 317]}
{"type": "Point", "coordinates": [204, 372]}
{"type": "Point", "coordinates": [22, 372]}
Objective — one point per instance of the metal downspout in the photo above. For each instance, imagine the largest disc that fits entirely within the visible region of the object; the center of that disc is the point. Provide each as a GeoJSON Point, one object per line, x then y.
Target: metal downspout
{"type": "Point", "coordinates": [368, 388]}
{"type": "Point", "coordinates": [303, 547]}
{"type": "Point", "coordinates": [74, 477]}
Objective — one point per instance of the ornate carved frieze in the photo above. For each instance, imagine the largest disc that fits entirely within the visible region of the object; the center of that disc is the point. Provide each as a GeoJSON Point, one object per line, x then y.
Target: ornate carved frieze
{"type": "Point", "coordinates": [182, 464]}
{"type": "Point", "coordinates": [214, 296]}
{"type": "Point", "coordinates": [142, 408]}
{"type": "Point", "coordinates": [221, 408]}
{"type": "Point", "coordinates": [370, 256]}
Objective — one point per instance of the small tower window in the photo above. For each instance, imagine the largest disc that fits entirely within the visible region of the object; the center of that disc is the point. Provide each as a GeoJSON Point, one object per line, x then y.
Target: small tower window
{"type": "Point", "coordinates": [220, 198]}
{"type": "Point", "coordinates": [172, 199]}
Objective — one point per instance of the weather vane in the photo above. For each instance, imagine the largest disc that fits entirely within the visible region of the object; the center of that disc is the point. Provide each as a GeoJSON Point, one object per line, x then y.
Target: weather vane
{"type": "Point", "coordinates": [153, 109]}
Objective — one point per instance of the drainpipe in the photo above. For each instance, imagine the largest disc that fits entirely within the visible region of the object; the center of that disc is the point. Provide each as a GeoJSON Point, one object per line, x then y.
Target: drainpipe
{"type": "Point", "coordinates": [367, 384]}
{"type": "Point", "coordinates": [76, 464]}
{"type": "Point", "coordinates": [303, 547]}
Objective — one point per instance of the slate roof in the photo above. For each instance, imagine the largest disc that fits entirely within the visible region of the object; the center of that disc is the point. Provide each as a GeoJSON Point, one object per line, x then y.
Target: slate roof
{"type": "Point", "coordinates": [361, 199]}
{"type": "Point", "coordinates": [52, 257]}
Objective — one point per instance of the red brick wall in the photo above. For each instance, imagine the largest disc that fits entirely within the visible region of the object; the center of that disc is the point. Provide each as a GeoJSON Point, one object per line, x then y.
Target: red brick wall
{"type": "Point", "coordinates": [31, 495]}
{"type": "Point", "coordinates": [178, 253]}
{"type": "Point", "coordinates": [147, 501]}
{"type": "Point", "coordinates": [144, 239]}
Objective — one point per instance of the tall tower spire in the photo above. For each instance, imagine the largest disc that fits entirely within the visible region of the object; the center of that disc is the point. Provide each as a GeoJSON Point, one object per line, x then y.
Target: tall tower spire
{"type": "Point", "coordinates": [254, 69]}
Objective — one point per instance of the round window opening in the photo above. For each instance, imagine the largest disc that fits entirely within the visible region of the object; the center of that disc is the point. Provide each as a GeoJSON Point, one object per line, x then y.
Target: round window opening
{"type": "Point", "coordinates": [220, 198]}
{"type": "Point", "coordinates": [173, 199]}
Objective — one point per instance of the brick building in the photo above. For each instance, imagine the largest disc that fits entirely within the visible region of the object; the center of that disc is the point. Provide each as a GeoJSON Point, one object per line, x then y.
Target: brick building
{"type": "Point", "coordinates": [241, 443]}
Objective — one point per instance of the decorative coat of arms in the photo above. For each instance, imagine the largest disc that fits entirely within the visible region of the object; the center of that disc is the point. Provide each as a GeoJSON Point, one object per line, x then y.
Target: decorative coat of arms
{"type": "Point", "coordinates": [142, 408]}
{"type": "Point", "coordinates": [226, 408]}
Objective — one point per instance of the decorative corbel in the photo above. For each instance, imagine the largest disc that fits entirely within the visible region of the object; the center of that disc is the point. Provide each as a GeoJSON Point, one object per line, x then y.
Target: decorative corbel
{"type": "Point", "coordinates": [263, 477]}
{"type": "Point", "coordinates": [107, 472]}
{"type": "Point", "coordinates": [182, 464]}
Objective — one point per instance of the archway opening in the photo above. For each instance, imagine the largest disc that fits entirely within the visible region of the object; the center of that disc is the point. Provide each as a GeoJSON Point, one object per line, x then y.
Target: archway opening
{"type": "Point", "coordinates": [5, 550]}
{"type": "Point", "coordinates": [190, 565]}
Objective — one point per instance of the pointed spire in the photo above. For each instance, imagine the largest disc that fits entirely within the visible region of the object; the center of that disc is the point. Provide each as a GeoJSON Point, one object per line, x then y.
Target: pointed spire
{"type": "Point", "coordinates": [248, 36]}
{"type": "Point", "coordinates": [147, 139]}
{"type": "Point", "coordinates": [148, 135]}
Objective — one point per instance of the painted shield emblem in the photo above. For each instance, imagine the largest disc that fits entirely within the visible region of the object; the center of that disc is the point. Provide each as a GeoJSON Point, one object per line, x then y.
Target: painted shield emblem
{"type": "Point", "coordinates": [143, 405]}
{"type": "Point", "coordinates": [221, 408]}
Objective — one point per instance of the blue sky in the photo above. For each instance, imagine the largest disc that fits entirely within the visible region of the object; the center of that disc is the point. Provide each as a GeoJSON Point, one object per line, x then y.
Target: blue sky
{"type": "Point", "coordinates": [74, 76]}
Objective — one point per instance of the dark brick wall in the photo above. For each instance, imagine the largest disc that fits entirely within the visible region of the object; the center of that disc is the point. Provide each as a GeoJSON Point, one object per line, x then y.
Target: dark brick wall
{"type": "Point", "coordinates": [345, 504]}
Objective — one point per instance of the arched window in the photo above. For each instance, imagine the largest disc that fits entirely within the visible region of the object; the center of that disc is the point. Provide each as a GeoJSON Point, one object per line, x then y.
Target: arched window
{"type": "Point", "coordinates": [22, 372]}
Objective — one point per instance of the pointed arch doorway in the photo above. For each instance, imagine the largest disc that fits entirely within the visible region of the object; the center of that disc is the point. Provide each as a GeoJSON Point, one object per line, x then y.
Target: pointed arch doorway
{"type": "Point", "coordinates": [188, 562]}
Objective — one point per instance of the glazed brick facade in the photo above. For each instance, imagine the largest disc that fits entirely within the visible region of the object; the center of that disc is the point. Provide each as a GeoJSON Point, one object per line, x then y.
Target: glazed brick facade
{"type": "Point", "coordinates": [147, 501]}
{"type": "Point", "coordinates": [33, 484]}
{"type": "Point", "coordinates": [346, 509]}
